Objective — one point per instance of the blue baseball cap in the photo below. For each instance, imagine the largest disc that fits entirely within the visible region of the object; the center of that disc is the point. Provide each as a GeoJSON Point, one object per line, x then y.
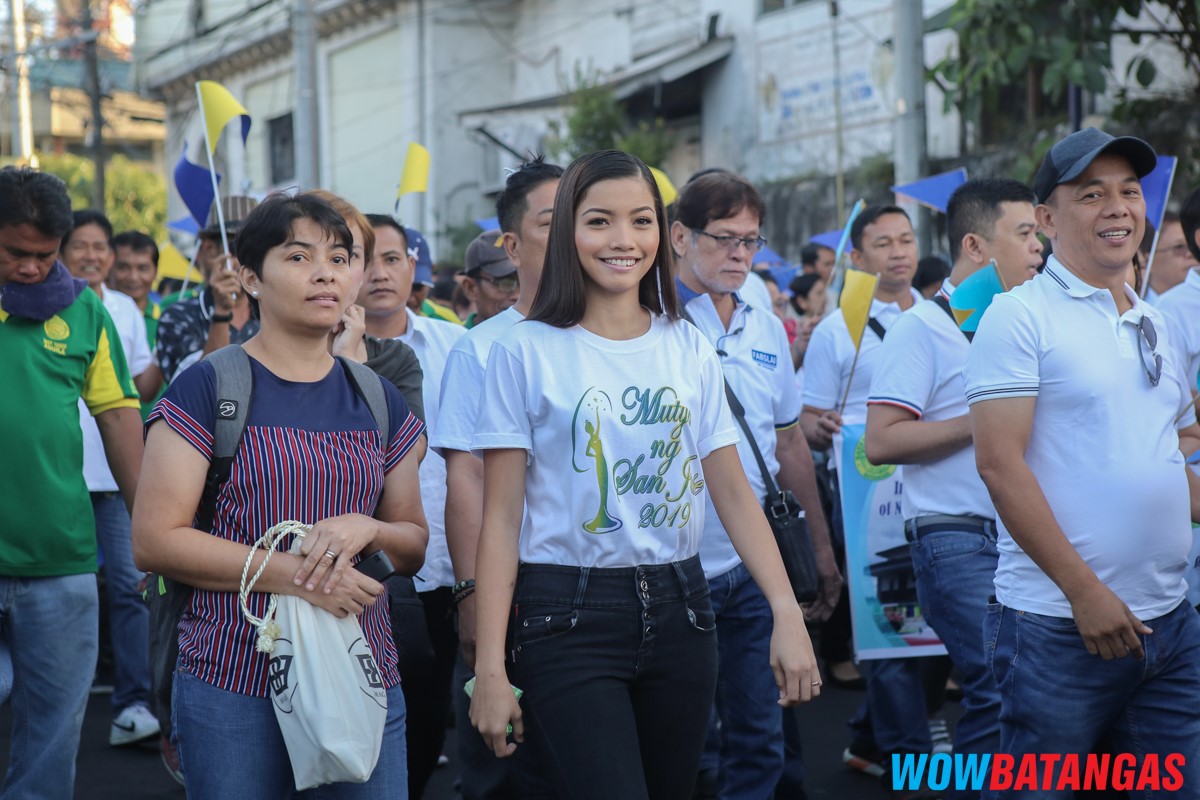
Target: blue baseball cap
{"type": "Point", "coordinates": [418, 248]}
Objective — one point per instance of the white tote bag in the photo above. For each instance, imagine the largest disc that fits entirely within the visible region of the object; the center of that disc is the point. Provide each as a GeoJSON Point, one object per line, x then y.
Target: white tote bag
{"type": "Point", "coordinates": [328, 692]}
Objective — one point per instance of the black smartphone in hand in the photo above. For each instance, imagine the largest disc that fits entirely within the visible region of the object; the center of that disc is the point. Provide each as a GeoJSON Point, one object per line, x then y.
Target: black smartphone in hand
{"type": "Point", "coordinates": [376, 565]}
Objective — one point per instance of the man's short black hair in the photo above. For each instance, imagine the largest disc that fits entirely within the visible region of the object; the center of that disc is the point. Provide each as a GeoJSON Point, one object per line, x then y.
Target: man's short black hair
{"type": "Point", "coordinates": [868, 216]}
{"type": "Point", "coordinates": [1189, 217]}
{"type": "Point", "coordinates": [29, 197]}
{"type": "Point", "coordinates": [513, 202]}
{"type": "Point", "coordinates": [975, 208]}
{"type": "Point", "coordinates": [273, 221]}
{"type": "Point", "coordinates": [138, 242]}
{"type": "Point", "coordinates": [718, 194]}
{"type": "Point", "coordinates": [89, 216]}
{"type": "Point", "coordinates": [388, 221]}
{"type": "Point", "coordinates": [812, 252]}
{"type": "Point", "coordinates": [931, 270]}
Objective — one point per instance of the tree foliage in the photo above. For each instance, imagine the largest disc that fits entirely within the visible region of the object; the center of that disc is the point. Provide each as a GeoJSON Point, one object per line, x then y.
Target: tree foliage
{"type": "Point", "coordinates": [1051, 46]}
{"type": "Point", "coordinates": [135, 194]}
{"type": "Point", "coordinates": [598, 121]}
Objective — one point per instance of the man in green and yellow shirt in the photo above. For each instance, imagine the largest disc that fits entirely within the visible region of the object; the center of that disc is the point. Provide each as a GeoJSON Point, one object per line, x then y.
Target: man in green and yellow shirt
{"type": "Point", "coordinates": [57, 345]}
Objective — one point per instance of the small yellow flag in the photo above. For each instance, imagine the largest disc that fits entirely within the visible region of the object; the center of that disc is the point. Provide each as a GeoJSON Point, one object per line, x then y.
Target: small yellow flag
{"type": "Point", "coordinates": [218, 107]}
{"type": "Point", "coordinates": [857, 294]}
{"type": "Point", "coordinates": [415, 177]}
{"type": "Point", "coordinates": [665, 187]}
{"type": "Point", "coordinates": [172, 264]}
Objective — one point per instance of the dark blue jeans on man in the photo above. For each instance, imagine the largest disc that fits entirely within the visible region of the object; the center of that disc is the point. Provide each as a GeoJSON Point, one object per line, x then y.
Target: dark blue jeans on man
{"type": "Point", "coordinates": [748, 749]}
{"type": "Point", "coordinates": [619, 668]}
{"type": "Point", "coordinates": [1055, 697]}
{"type": "Point", "coordinates": [955, 569]}
{"type": "Point", "coordinates": [128, 615]}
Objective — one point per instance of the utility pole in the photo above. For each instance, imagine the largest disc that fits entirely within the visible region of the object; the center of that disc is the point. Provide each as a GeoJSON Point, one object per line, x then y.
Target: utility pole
{"type": "Point", "coordinates": [22, 130]}
{"type": "Point", "coordinates": [91, 61]}
{"type": "Point", "coordinates": [304, 118]}
{"type": "Point", "coordinates": [839, 184]}
{"type": "Point", "coordinates": [909, 152]}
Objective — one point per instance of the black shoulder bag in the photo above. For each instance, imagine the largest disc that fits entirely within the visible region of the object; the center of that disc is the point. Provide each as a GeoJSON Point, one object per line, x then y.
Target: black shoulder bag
{"type": "Point", "coordinates": [786, 517]}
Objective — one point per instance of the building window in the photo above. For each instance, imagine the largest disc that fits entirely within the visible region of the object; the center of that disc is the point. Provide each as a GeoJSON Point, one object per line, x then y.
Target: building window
{"type": "Point", "coordinates": [768, 6]}
{"type": "Point", "coordinates": [282, 154]}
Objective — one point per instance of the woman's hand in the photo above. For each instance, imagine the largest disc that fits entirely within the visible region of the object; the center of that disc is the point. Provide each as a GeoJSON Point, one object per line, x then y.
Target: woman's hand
{"type": "Point", "coordinates": [348, 335]}
{"type": "Point", "coordinates": [351, 596]}
{"type": "Point", "coordinates": [330, 546]}
{"type": "Point", "coordinates": [792, 658]}
{"type": "Point", "coordinates": [493, 708]}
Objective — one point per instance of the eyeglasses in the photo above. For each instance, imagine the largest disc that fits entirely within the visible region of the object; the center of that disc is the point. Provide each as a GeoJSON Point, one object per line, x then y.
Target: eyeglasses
{"type": "Point", "coordinates": [1178, 250]}
{"type": "Point", "coordinates": [731, 243]}
{"type": "Point", "coordinates": [505, 285]}
{"type": "Point", "coordinates": [1149, 337]}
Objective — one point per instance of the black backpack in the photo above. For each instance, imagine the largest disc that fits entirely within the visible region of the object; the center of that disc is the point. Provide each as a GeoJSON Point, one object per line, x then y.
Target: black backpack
{"type": "Point", "coordinates": [168, 598]}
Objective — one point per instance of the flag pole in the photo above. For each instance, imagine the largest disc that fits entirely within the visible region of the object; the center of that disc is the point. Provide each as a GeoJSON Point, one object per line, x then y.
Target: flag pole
{"type": "Point", "coordinates": [187, 276]}
{"type": "Point", "coordinates": [850, 380]}
{"type": "Point", "coordinates": [212, 172]}
{"type": "Point", "coordinates": [1157, 233]}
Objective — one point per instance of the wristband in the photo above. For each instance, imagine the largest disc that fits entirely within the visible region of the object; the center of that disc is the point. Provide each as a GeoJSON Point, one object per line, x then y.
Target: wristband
{"type": "Point", "coordinates": [222, 317]}
{"type": "Point", "coordinates": [462, 590]}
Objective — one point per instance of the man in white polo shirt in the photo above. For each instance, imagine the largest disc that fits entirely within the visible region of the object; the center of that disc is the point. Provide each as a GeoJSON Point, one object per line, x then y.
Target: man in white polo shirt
{"type": "Point", "coordinates": [524, 208]}
{"type": "Point", "coordinates": [1078, 399]}
{"type": "Point", "coordinates": [884, 245]}
{"type": "Point", "coordinates": [1181, 306]}
{"type": "Point", "coordinates": [386, 286]}
{"type": "Point", "coordinates": [87, 252]}
{"type": "Point", "coordinates": [718, 219]}
{"type": "Point", "coordinates": [917, 416]}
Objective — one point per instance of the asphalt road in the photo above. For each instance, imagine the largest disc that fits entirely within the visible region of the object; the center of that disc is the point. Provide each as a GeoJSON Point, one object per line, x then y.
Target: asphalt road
{"type": "Point", "coordinates": [136, 773]}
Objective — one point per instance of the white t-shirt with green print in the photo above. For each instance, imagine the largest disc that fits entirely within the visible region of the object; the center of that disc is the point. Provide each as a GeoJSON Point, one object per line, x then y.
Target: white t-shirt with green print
{"type": "Point", "coordinates": [615, 432]}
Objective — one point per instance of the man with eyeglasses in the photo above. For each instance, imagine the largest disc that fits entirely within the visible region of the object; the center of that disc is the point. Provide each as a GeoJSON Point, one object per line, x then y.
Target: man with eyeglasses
{"type": "Point", "coordinates": [716, 233]}
{"type": "Point", "coordinates": [491, 280]}
{"type": "Point", "coordinates": [1172, 259]}
{"type": "Point", "coordinates": [1078, 403]}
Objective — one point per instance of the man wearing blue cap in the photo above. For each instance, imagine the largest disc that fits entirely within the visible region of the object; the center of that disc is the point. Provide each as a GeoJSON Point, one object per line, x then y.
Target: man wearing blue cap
{"type": "Point", "coordinates": [1078, 406]}
{"type": "Point", "coordinates": [419, 300]}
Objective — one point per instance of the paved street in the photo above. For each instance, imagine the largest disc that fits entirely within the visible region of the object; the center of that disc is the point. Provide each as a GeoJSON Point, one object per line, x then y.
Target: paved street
{"type": "Point", "coordinates": [136, 773]}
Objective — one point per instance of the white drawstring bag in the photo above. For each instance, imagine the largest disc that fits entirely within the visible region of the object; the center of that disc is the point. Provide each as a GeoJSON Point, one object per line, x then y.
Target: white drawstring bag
{"type": "Point", "coordinates": [328, 692]}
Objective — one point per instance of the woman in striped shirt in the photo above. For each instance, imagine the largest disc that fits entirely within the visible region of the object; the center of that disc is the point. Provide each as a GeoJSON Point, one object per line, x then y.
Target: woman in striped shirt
{"type": "Point", "coordinates": [311, 452]}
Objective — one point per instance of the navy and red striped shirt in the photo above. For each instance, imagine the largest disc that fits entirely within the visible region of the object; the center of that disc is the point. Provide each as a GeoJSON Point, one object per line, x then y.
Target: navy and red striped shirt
{"type": "Point", "coordinates": [310, 451]}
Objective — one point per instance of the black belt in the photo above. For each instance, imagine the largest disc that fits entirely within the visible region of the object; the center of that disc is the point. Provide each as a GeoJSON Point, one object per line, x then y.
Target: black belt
{"type": "Point", "coordinates": [936, 523]}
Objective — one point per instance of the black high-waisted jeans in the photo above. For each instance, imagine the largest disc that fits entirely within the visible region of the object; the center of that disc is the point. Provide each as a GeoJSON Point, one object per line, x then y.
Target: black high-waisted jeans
{"type": "Point", "coordinates": [619, 669]}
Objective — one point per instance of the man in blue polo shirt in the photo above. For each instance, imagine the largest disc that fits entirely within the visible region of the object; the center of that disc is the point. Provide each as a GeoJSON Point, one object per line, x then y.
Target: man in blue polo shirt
{"type": "Point", "coordinates": [1078, 403]}
{"type": "Point", "coordinates": [716, 234]}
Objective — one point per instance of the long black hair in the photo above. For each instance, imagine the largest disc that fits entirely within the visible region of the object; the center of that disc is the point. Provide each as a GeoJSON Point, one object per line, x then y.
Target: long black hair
{"type": "Point", "coordinates": [561, 297]}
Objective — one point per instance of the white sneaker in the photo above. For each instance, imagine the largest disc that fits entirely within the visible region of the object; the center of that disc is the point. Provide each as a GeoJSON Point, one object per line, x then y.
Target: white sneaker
{"type": "Point", "coordinates": [133, 724]}
{"type": "Point", "coordinates": [939, 732]}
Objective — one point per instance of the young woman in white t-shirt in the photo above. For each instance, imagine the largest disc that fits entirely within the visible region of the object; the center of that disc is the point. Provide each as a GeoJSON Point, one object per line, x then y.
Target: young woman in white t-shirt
{"type": "Point", "coordinates": [603, 422]}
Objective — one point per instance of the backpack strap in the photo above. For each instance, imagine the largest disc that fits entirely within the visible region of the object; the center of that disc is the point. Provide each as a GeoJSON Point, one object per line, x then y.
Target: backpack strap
{"type": "Point", "coordinates": [877, 327]}
{"type": "Point", "coordinates": [234, 386]}
{"type": "Point", "coordinates": [366, 383]}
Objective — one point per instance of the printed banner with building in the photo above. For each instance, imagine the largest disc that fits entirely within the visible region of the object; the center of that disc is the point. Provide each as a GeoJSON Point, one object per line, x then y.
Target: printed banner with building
{"type": "Point", "coordinates": [883, 590]}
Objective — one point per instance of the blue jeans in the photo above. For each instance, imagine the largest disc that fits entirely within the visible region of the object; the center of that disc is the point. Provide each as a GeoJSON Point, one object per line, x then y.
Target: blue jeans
{"type": "Point", "coordinates": [230, 746]}
{"type": "Point", "coordinates": [895, 707]}
{"type": "Point", "coordinates": [129, 618]}
{"type": "Point", "coordinates": [619, 671]}
{"type": "Point", "coordinates": [748, 750]}
{"type": "Point", "coordinates": [49, 629]}
{"type": "Point", "coordinates": [1057, 698]}
{"type": "Point", "coordinates": [955, 571]}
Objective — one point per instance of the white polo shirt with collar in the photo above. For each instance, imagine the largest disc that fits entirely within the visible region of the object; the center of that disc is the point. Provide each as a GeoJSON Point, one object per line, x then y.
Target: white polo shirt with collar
{"type": "Point", "coordinates": [1104, 445]}
{"type": "Point", "coordinates": [830, 359]}
{"type": "Point", "coordinates": [130, 325]}
{"type": "Point", "coordinates": [757, 365]}
{"type": "Point", "coordinates": [432, 340]}
{"type": "Point", "coordinates": [919, 368]}
{"type": "Point", "coordinates": [1181, 308]}
{"type": "Point", "coordinates": [461, 385]}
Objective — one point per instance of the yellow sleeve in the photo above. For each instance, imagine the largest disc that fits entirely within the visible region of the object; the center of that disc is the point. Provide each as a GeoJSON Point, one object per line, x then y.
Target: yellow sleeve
{"type": "Point", "coordinates": [107, 384]}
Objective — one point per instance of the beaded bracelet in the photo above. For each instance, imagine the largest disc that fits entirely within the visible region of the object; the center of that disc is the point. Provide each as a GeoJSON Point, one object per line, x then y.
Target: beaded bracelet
{"type": "Point", "coordinates": [462, 590]}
